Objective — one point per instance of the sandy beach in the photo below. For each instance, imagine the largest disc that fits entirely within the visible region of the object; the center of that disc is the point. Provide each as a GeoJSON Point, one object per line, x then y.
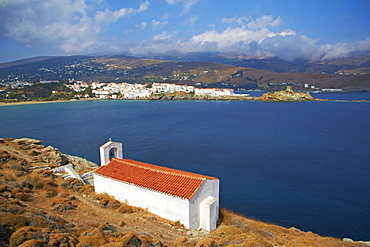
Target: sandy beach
{"type": "Point", "coordinates": [40, 102]}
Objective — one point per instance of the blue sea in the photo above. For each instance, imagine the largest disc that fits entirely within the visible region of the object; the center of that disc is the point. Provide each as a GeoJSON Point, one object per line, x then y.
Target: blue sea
{"type": "Point", "coordinates": [301, 164]}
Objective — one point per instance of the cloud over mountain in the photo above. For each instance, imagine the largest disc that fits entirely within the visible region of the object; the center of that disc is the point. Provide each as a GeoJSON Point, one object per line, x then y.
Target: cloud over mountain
{"type": "Point", "coordinates": [255, 38]}
{"type": "Point", "coordinates": [91, 26]}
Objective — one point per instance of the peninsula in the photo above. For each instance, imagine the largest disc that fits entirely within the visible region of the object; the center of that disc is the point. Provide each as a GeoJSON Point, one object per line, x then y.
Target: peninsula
{"type": "Point", "coordinates": [47, 199]}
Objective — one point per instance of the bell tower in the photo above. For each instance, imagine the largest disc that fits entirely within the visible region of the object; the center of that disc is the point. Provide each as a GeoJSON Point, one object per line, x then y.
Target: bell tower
{"type": "Point", "coordinates": [110, 150]}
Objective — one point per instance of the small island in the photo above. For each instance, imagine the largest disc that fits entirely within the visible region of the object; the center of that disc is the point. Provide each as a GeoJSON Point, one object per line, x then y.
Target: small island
{"type": "Point", "coordinates": [285, 96]}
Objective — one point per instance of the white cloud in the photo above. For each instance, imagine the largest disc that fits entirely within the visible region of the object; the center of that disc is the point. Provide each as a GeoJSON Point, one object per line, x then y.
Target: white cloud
{"type": "Point", "coordinates": [192, 20]}
{"type": "Point", "coordinates": [108, 16]}
{"type": "Point", "coordinates": [186, 4]}
{"type": "Point", "coordinates": [265, 21]}
{"type": "Point", "coordinates": [240, 20]}
{"type": "Point", "coordinates": [67, 25]}
{"type": "Point", "coordinates": [261, 22]}
{"type": "Point", "coordinates": [164, 36]}
{"type": "Point", "coordinates": [142, 25]}
{"type": "Point", "coordinates": [157, 24]}
{"type": "Point", "coordinates": [253, 38]}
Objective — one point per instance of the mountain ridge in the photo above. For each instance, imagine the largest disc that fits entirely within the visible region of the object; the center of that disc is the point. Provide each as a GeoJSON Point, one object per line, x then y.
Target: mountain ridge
{"type": "Point", "coordinates": [214, 70]}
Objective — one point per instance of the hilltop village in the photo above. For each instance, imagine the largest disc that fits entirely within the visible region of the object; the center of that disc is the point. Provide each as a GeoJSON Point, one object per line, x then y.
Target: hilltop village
{"type": "Point", "coordinates": [77, 90]}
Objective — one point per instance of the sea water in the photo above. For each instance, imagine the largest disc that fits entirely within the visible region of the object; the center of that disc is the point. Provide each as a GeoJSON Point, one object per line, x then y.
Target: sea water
{"type": "Point", "coordinates": [301, 164]}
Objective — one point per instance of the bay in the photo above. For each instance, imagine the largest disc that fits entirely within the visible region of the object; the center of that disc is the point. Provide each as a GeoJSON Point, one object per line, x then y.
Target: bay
{"type": "Point", "coordinates": [301, 164]}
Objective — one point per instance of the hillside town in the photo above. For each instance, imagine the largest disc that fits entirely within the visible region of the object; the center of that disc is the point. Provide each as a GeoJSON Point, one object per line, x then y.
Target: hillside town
{"type": "Point", "coordinates": [143, 91]}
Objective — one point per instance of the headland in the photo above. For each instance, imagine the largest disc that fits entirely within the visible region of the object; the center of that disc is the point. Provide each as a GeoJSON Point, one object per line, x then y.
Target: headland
{"type": "Point", "coordinates": [41, 205]}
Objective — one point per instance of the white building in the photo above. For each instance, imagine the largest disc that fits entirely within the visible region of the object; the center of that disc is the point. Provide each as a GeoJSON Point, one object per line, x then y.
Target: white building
{"type": "Point", "coordinates": [176, 195]}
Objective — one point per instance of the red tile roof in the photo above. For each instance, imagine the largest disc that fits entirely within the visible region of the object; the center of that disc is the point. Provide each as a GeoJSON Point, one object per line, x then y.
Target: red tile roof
{"type": "Point", "coordinates": [166, 180]}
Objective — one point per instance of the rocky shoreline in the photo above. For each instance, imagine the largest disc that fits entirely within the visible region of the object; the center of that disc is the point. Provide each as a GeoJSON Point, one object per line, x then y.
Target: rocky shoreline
{"type": "Point", "coordinates": [287, 95]}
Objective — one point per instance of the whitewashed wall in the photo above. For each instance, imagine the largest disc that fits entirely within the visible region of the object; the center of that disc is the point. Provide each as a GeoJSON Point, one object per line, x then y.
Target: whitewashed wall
{"type": "Point", "coordinates": [210, 188]}
{"type": "Point", "coordinates": [169, 207]}
{"type": "Point", "coordinates": [104, 152]}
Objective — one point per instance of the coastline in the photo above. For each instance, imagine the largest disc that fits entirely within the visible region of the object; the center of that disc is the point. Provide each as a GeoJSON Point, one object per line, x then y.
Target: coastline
{"type": "Point", "coordinates": [260, 99]}
{"type": "Point", "coordinates": [40, 102]}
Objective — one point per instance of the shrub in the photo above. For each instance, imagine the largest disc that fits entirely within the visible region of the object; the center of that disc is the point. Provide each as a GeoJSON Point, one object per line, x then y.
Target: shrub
{"type": "Point", "coordinates": [86, 190]}
{"type": "Point", "coordinates": [61, 239]}
{"type": "Point", "coordinates": [125, 209]}
{"type": "Point", "coordinates": [62, 205]}
{"type": "Point", "coordinates": [114, 204]}
{"type": "Point", "coordinates": [72, 184]}
{"type": "Point", "coordinates": [9, 176]}
{"type": "Point", "coordinates": [23, 234]}
{"type": "Point", "coordinates": [130, 239]}
{"type": "Point", "coordinates": [12, 208]}
{"type": "Point", "coordinates": [26, 184]}
{"type": "Point", "coordinates": [17, 167]}
{"type": "Point", "coordinates": [36, 181]}
{"type": "Point", "coordinates": [47, 174]}
{"type": "Point", "coordinates": [3, 187]}
{"type": "Point", "coordinates": [51, 192]}
{"type": "Point", "coordinates": [33, 243]}
{"type": "Point", "coordinates": [16, 190]}
{"type": "Point", "coordinates": [14, 221]}
{"type": "Point", "coordinates": [64, 195]}
{"type": "Point", "coordinates": [38, 221]}
{"type": "Point", "coordinates": [21, 196]}
{"type": "Point", "coordinates": [207, 242]}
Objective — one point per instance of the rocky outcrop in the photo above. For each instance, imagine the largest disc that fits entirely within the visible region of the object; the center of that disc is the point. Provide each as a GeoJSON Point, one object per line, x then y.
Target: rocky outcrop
{"type": "Point", "coordinates": [33, 153]}
{"type": "Point", "coordinates": [285, 96]}
{"type": "Point", "coordinates": [185, 96]}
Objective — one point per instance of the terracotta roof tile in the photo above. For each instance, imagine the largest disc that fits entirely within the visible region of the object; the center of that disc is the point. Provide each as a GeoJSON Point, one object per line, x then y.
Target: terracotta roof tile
{"type": "Point", "coordinates": [166, 180]}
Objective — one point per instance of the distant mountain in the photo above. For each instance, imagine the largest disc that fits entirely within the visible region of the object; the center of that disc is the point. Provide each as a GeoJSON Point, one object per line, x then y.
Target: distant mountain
{"type": "Point", "coordinates": [24, 61]}
{"type": "Point", "coordinates": [275, 64]}
{"type": "Point", "coordinates": [202, 69]}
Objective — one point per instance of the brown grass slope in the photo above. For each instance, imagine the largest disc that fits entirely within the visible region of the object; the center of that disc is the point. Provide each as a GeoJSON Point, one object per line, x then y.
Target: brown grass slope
{"type": "Point", "coordinates": [345, 82]}
{"type": "Point", "coordinates": [39, 208]}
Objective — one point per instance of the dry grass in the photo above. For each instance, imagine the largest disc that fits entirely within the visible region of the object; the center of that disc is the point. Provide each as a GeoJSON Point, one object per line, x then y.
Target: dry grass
{"type": "Point", "coordinates": [37, 181]}
{"type": "Point", "coordinates": [9, 176]}
{"type": "Point", "coordinates": [236, 229]}
{"type": "Point", "coordinates": [14, 221]}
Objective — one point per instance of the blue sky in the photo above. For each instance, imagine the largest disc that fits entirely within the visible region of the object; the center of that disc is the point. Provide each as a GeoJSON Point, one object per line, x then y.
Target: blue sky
{"type": "Point", "coordinates": [289, 29]}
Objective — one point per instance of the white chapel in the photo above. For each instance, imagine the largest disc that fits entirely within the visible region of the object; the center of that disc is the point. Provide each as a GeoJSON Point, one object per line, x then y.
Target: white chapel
{"type": "Point", "coordinates": [176, 195]}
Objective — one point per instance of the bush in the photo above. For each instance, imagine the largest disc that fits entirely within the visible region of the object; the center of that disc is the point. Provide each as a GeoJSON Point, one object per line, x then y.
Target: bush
{"type": "Point", "coordinates": [21, 196]}
{"type": "Point", "coordinates": [64, 195]}
{"type": "Point", "coordinates": [33, 243]}
{"type": "Point", "coordinates": [51, 192]}
{"type": "Point", "coordinates": [26, 184]}
{"type": "Point", "coordinates": [62, 239]}
{"type": "Point", "coordinates": [62, 205]}
{"type": "Point", "coordinates": [12, 208]}
{"type": "Point", "coordinates": [14, 221]}
{"type": "Point", "coordinates": [72, 184]}
{"type": "Point", "coordinates": [9, 176]}
{"type": "Point", "coordinates": [36, 181]}
{"type": "Point", "coordinates": [15, 191]}
{"type": "Point", "coordinates": [114, 204]}
{"type": "Point", "coordinates": [3, 187]}
{"type": "Point", "coordinates": [126, 209]}
{"type": "Point", "coordinates": [86, 189]}
{"type": "Point", "coordinates": [38, 221]}
{"type": "Point", "coordinates": [24, 234]}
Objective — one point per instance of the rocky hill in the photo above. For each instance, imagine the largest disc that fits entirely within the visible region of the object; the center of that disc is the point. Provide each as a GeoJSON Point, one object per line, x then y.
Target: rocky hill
{"type": "Point", "coordinates": [217, 70]}
{"type": "Point", "coordinates": [285, 96]}
{"type": "Point", "coordinates": [40, 205]}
